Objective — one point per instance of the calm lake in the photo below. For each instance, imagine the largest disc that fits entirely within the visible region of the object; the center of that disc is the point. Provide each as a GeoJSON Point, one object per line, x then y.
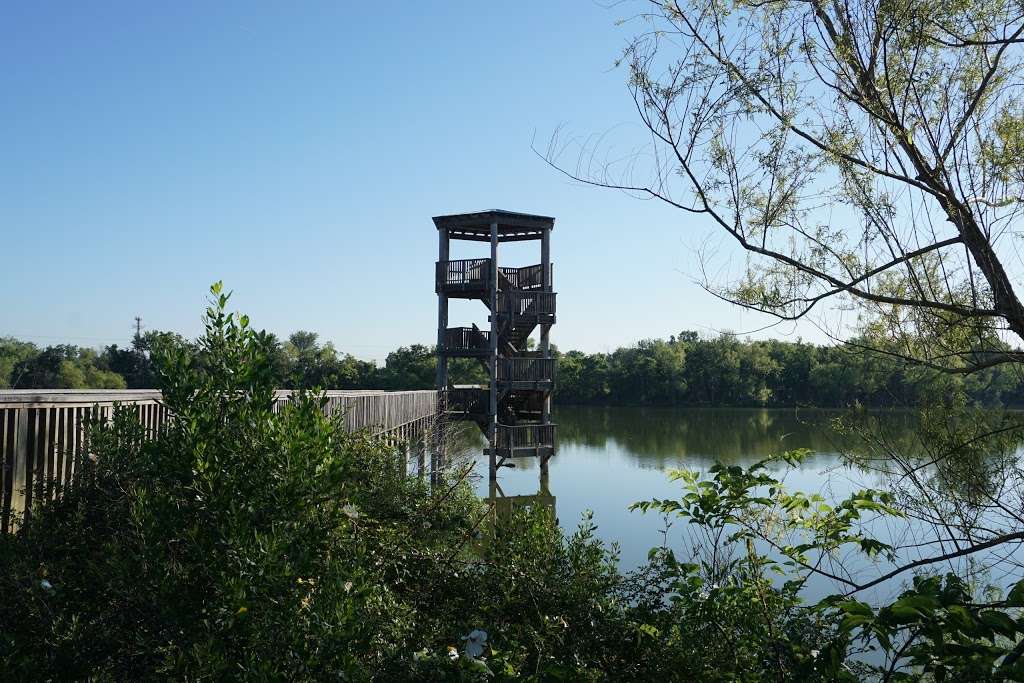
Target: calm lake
{"type": "Point", "coordinates": [609, 458]}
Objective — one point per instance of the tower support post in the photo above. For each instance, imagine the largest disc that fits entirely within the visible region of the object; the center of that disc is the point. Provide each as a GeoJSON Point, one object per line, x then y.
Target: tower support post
{"type": "Point", "coordinates": [442, 311]}
{"type": "Point", "coordinates": [545, 331]}
{"type": "Point", "coordinates": [492, 407]}
{"type": "Point", "coordinates": [437, 450]}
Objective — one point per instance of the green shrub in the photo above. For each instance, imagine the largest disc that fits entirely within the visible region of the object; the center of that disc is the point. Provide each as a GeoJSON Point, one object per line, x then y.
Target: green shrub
{"type": "Point", "coordinates": [248, 543]}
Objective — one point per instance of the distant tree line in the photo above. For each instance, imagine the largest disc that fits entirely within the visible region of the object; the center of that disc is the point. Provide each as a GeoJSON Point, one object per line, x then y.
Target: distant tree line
{"type": "Point", "coordinates": [686, 369]}
{"type": "Point", "coordinates": [723, 370]}
{"type": "Point", "coordinates": [300, 361]}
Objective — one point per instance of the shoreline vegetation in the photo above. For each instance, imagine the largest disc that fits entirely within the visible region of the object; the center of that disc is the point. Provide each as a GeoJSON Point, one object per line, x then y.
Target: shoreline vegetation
{"type": "Point", "coordinates": [262, 545]}
{"type": "Point", "coordinates": [685, 370]}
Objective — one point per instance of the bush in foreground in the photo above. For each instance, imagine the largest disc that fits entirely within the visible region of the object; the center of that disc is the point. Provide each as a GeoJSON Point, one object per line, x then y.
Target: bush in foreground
{"type": "Point", "coordinates": [245, 543]}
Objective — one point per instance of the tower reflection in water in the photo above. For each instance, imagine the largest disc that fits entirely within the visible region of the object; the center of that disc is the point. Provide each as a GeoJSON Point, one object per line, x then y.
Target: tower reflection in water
{"type": "Point", "coordinates": [503, 506]}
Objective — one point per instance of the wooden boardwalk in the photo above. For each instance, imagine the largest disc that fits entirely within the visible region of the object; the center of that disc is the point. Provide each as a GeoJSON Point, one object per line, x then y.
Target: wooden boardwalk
{"type": "Point", "coordinates": [41, 431]}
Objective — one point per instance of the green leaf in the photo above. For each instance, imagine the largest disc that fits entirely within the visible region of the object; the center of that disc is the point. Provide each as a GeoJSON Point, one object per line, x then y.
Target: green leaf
{"type": "Point", "coordinates": [961, 617]}
{"type": "Point", "coordinates": [1016, 596]}
{"type": "Point", "coordinates": [852, 621]}
{"type": "Point", "coordinates": [999, 622]}
{"type": "Point", "coordinates": [856, 607]}
{"type": "Point", "coordinates": [920, 605]}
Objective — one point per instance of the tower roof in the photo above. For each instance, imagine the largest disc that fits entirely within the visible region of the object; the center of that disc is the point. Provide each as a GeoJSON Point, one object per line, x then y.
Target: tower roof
{"type": "Point", "coordinates": [512, 226]}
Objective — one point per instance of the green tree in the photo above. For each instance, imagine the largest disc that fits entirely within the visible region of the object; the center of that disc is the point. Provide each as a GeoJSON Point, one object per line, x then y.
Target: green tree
{"type": "Point", "coordinates": [135, 364]}
{"type": "Point", "coordinates": [65, 367]}
{"type": "Point", "coordinates": [410, 367]}
{"type": "Point", "coordinates": [651, 372]}
{"type": "Point", "coordinates": [865, 155]}
{"type": "Point", "coordinates": [314, 365]}
{"type": "Point", "coordinates": [12, 354]}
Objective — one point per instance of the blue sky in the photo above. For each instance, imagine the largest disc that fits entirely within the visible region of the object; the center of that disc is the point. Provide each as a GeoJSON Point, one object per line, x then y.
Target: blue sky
{"type": "Point", "coordinates": [298, 150]}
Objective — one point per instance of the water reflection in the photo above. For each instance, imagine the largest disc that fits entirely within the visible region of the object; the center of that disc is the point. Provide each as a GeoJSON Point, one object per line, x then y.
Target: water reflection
{"type": "Point", "coordinates": [503, 506]}
{"type": "Point", "coordinates": [664, 437]}
{"type": "Point", "coordinates": [609, 458]}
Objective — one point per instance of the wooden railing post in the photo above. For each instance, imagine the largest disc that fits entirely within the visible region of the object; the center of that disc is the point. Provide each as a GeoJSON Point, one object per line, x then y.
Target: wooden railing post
{"type": "Point", "coordinates": [21, 455]}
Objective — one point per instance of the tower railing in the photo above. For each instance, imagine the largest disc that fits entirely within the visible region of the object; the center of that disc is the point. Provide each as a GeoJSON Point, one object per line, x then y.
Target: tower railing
{"type": "Point", "coordinates": [527, 304]}
{"type": "Point", "coordinates": [516, 437]}
{"type": "Point", "coordinates": [473, 274]}
{"type": "Point", "coordinates": [466, 400]}
{"type": "Point", "coordinates": [466, 340]}
{"type": "Point", "coordinates": [526, 370]}
{"type": "Point", "coordinates": [527, 277]}
{"type": "Point", "coordinates": [463, 274]}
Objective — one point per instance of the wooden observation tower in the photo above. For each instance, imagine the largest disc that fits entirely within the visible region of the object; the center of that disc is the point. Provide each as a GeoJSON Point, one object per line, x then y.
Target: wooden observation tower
{"type": "Point", "coordinates": [514, 409]}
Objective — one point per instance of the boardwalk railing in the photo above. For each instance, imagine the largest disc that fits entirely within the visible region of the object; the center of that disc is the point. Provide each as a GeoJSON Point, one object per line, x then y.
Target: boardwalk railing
{"type": "Point", "coordinates": [42, 432]}
{"type": "Point", "coordinates": [382, 412]}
